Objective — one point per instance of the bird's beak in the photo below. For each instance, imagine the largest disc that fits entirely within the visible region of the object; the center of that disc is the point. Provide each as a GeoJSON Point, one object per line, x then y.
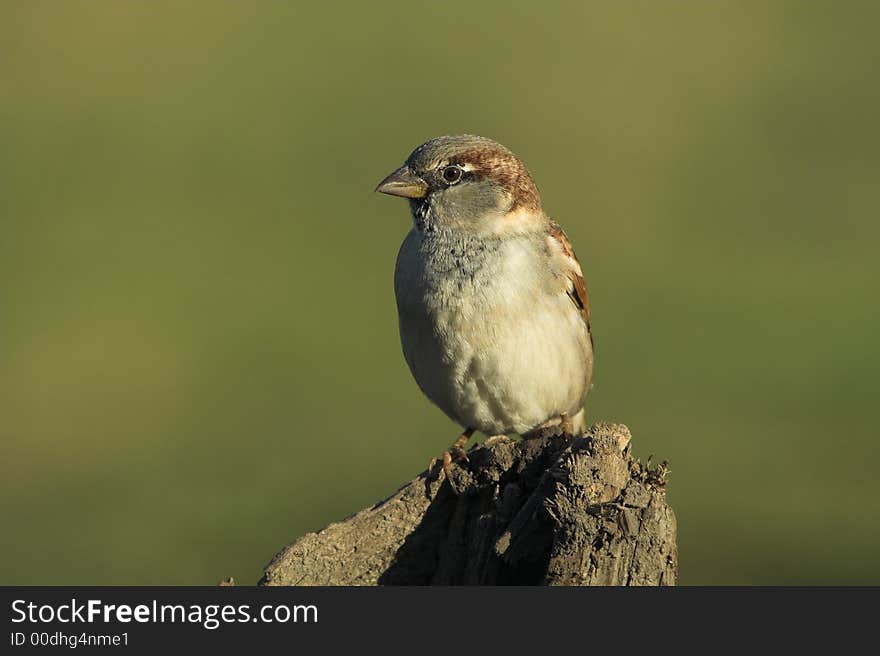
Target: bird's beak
{"type": "Point", "coordinates": [405, 183]}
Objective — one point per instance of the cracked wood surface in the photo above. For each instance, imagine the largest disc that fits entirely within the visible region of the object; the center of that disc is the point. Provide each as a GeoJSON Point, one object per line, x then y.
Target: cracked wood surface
{"type": "Point", "coordinates": [550, 510]}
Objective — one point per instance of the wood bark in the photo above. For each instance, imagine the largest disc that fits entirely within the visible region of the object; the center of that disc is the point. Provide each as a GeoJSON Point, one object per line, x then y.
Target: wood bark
{"type": "Point", "coordinates": [549, 510]}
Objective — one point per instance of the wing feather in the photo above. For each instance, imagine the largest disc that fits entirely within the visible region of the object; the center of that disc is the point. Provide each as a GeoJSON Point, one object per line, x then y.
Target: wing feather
{"type": "Point", "coordinates": [577, 289]}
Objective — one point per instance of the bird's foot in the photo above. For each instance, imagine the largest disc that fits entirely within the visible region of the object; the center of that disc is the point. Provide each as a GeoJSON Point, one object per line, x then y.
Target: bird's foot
{"type": "Point", "coordinates": [558, 426]}
{"type": "Point", "coordinates": [455, 453]}
{"type": "Point", "coordinates": [495, 439]}
{"type": "Point", "coordinates": [566, 425]}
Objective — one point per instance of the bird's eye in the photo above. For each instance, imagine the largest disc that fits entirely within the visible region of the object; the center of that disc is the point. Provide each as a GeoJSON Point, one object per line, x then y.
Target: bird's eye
{"type": "Point", "coordinates": [451, 174]}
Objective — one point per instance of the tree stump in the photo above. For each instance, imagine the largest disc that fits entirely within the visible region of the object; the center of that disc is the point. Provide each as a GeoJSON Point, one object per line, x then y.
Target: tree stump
{"type": "Point", "coordinates": [549, 510]}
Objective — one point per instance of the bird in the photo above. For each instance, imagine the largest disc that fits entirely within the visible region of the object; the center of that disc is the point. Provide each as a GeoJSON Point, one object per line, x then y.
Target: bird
{"type": "Point", "coordinates": [493, 311]}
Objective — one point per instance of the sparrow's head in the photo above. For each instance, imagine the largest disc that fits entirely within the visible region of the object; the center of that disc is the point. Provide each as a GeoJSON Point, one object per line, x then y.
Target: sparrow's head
{"type": "Point", "coordinates": [465, 182]}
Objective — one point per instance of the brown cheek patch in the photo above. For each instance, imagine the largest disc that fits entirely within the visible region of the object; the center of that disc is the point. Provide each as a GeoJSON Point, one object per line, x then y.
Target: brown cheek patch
{"type": "Point", "coordinates": [509, 172]}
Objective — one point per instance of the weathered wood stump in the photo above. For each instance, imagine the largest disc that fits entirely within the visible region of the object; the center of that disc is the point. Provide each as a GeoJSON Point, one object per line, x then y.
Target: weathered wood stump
{"type": "Point", "coordinates": [551, 510]}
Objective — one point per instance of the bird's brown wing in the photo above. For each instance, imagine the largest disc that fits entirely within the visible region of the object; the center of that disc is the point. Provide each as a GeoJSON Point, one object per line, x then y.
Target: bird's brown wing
{"type": "Point", "coordinates": [577, 290]}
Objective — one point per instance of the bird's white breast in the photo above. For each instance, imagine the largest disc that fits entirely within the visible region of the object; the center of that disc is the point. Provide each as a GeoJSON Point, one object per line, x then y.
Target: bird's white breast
{"type": "Point", "coordinates": [488, 331]}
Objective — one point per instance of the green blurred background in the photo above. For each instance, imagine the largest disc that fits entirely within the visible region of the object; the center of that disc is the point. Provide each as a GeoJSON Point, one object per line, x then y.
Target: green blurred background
{"type": "Point", "coordinates": [199, 357]}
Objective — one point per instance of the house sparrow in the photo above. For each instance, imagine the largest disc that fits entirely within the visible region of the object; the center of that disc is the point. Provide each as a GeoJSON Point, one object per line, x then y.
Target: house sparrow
{"type": "Point", "coordinates": [493, 311]}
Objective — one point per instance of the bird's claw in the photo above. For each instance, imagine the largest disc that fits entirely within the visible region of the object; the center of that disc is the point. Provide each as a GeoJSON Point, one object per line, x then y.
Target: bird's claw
{"type": "Point", "coordinates": [495, 439]}
{"type": "Point", "coordinates": [455, 454]}
{"type": "Point", "coordinates": [566, 425]}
